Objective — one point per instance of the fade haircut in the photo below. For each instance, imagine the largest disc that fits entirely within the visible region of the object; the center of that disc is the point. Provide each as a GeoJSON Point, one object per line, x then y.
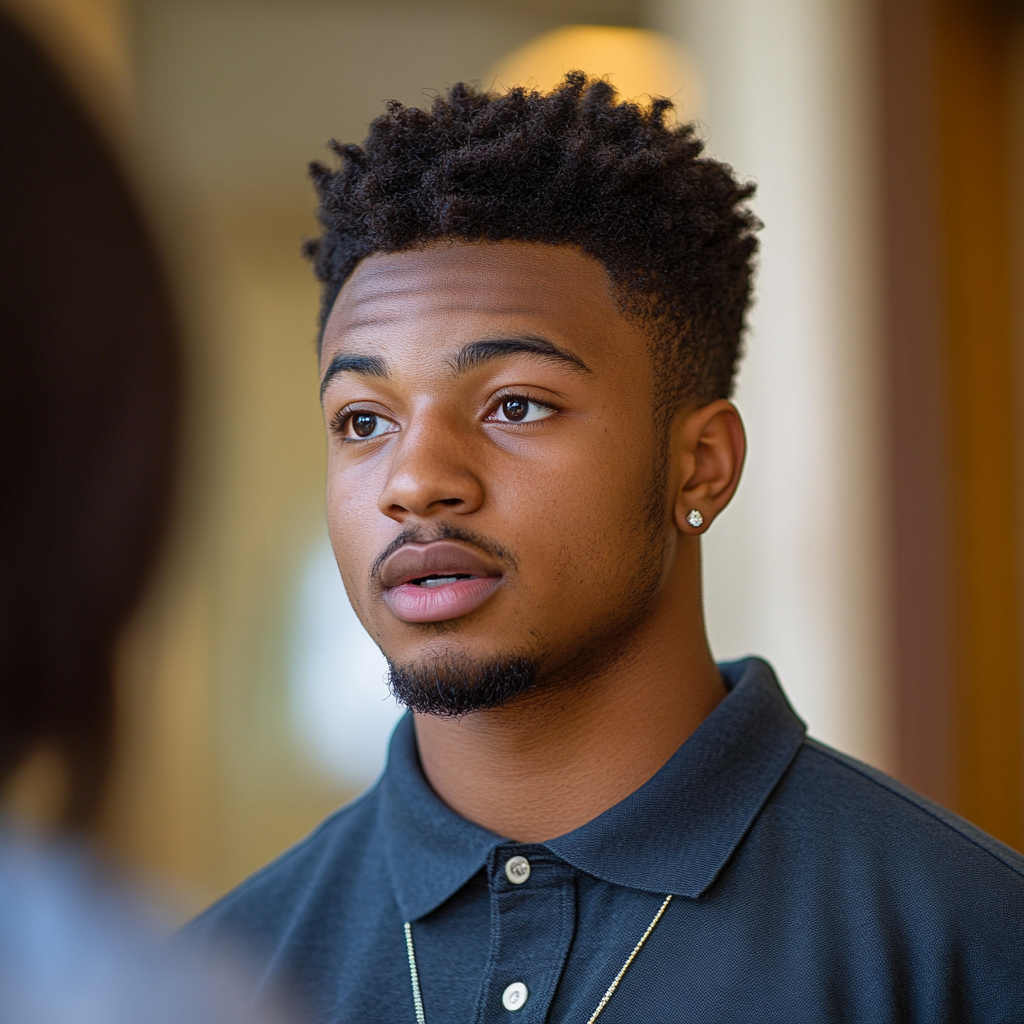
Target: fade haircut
{"type": "Point", "coordinates": [615, 180]}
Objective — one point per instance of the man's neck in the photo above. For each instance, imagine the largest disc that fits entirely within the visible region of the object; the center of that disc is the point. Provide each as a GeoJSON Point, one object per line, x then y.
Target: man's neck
{"type": "Point", "coordinates": [552, 761]}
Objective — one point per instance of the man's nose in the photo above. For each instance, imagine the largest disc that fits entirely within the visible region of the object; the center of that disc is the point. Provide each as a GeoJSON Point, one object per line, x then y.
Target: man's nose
{"type": "Point", "coordinates": [432, 473]}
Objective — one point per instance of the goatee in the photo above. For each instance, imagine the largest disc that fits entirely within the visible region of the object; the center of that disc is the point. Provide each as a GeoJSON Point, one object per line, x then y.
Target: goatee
{"type": "Point", "coordinates": [451, 687]}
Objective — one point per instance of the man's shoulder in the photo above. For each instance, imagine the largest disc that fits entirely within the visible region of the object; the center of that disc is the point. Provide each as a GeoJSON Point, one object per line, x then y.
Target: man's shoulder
{"type": "Point", "coordinates": [333, 859]}
{"type": "Point", "coordinates": [854, 807]}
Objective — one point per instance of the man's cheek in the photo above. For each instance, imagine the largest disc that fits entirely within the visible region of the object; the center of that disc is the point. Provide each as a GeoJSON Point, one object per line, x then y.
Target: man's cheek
{"type": "Point", "coordinates": [352, 547]}
{"type": "Point", "coordinates": [350, 512]}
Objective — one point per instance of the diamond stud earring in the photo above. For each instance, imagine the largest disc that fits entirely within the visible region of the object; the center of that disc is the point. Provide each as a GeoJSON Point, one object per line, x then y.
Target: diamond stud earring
{"type": "Point", "coordinates": [694, 518]}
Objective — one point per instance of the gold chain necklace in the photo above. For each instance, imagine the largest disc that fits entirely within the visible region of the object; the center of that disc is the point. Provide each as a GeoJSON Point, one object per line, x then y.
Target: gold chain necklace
{"type": "Point", "coordinates": [414, 975]}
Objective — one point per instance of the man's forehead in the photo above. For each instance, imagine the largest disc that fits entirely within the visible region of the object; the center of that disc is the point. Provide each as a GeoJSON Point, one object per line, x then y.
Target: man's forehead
{"type": "Point", "coordinates": [504, 279]}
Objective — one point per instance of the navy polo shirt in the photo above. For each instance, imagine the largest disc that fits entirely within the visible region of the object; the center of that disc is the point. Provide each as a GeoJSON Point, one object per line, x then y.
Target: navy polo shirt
{"type": "Point", "coordinates": [806, 887]}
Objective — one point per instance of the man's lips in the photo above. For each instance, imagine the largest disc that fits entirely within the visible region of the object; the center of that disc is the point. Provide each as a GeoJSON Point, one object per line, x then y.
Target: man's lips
{"type": "Point", "coordinates": [444, 579]}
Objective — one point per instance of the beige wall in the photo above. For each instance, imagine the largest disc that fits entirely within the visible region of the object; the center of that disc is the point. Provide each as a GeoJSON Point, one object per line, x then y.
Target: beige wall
{"type": "Point", "coordinates": [795, 568]}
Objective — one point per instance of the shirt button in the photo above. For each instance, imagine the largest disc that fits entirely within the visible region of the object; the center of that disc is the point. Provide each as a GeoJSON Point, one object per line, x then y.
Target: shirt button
{"type": "Point", "coordinates": [515, 996]}
{"type": "Point", "coordinates": [517, 871]}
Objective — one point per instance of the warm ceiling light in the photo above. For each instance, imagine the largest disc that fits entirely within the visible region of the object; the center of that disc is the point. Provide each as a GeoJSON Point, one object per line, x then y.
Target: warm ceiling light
{"type": "Point", "coordinates": [637, 62]}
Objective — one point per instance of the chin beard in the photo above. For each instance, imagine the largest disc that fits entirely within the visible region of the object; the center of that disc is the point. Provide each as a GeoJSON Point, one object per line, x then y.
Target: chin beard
{"type": "Point", "coordinates": [451, 687]}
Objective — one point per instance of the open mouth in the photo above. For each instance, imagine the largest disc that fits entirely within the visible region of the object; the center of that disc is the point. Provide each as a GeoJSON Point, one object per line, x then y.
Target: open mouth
{"type": "Point", "coordinates": [437, 581]}
{"type": "Point", "coordinates": [440, 581]}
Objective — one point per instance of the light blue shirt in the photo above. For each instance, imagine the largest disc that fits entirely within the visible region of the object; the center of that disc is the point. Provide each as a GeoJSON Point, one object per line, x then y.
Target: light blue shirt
{"type": "Point", "coordinates": [76, 949]}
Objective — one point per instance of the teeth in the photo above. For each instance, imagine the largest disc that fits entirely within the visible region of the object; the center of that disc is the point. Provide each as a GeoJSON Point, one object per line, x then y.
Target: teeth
{"type": "Point", "coordinates": [438, 581]}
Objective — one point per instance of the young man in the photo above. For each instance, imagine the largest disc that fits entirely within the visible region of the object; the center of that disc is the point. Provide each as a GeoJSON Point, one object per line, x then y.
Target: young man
{"type": "Point", "coordinates": [532, 311]}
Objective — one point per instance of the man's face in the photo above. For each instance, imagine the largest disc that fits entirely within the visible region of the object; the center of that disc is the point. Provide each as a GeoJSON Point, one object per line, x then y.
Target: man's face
{"type": "Point", "coordinates": [495, 485]}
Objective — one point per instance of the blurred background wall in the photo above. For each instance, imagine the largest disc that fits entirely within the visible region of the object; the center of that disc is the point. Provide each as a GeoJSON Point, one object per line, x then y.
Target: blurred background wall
{"type": "Point", "coordinates": [874, 552]}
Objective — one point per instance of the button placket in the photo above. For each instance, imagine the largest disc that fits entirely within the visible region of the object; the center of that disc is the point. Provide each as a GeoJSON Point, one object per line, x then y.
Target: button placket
{"type": "Point", "coordinates": [533, 914]}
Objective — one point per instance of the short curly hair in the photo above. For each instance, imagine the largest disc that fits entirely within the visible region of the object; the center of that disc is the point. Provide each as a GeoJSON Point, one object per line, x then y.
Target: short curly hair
{"type": "Point", "coordinates": [571, 167]}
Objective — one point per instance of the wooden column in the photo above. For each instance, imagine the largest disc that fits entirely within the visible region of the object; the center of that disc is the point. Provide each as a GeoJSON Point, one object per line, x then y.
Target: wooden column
{"type": "Point", "coordinates": [949, 301]}
{"type": "Point", "coordinates": [973, 88]}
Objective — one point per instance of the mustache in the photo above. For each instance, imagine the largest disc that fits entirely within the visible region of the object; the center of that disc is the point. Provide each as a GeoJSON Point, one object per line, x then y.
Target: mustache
{"type": "Point", "coordinates": [421, 535]}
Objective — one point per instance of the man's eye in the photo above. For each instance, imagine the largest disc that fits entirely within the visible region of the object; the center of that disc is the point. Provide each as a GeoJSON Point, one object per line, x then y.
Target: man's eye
{"type": "Point", "coordinates": [516, 409]}
{"type": "Point", "coordinates": [367, 425]}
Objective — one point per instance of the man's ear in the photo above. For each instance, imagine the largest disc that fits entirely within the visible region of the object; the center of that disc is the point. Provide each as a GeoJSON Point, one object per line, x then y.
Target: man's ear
{"type": "Point", "coordinates": [708, 446]}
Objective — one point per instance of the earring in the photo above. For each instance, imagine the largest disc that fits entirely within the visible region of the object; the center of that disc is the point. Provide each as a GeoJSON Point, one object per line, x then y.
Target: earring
{"type": "Point", "coordinates": [694, 518]}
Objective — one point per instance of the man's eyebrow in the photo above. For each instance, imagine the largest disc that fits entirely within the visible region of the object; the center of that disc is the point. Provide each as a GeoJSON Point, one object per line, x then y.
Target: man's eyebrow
{"type": "Point", "coordinates": [346, 362]}
{"type": "Point", "coordinates": [477, 352]}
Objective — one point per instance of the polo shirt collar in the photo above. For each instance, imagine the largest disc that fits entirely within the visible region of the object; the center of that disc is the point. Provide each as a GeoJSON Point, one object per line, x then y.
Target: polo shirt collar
{"type": "Point", "coordinates": [672, 835]}
{"type": "Point", "coordinates": [677, 831]}
{"type": "Point", "coordinates": [431, 851]}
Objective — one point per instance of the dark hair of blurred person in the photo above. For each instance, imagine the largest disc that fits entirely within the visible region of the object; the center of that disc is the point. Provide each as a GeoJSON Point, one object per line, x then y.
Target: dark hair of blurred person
{"type": "Point", "coordinates": [89, 404]}
{"type": "Point", "coordinates": [91, 381]}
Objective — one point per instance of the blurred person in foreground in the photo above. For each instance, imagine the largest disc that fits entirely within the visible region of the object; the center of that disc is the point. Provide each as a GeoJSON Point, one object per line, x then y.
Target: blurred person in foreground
{"type": "Point", "coordinates": [89, 398]}
{"type": "Point", "coordinates": [533, 306]}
